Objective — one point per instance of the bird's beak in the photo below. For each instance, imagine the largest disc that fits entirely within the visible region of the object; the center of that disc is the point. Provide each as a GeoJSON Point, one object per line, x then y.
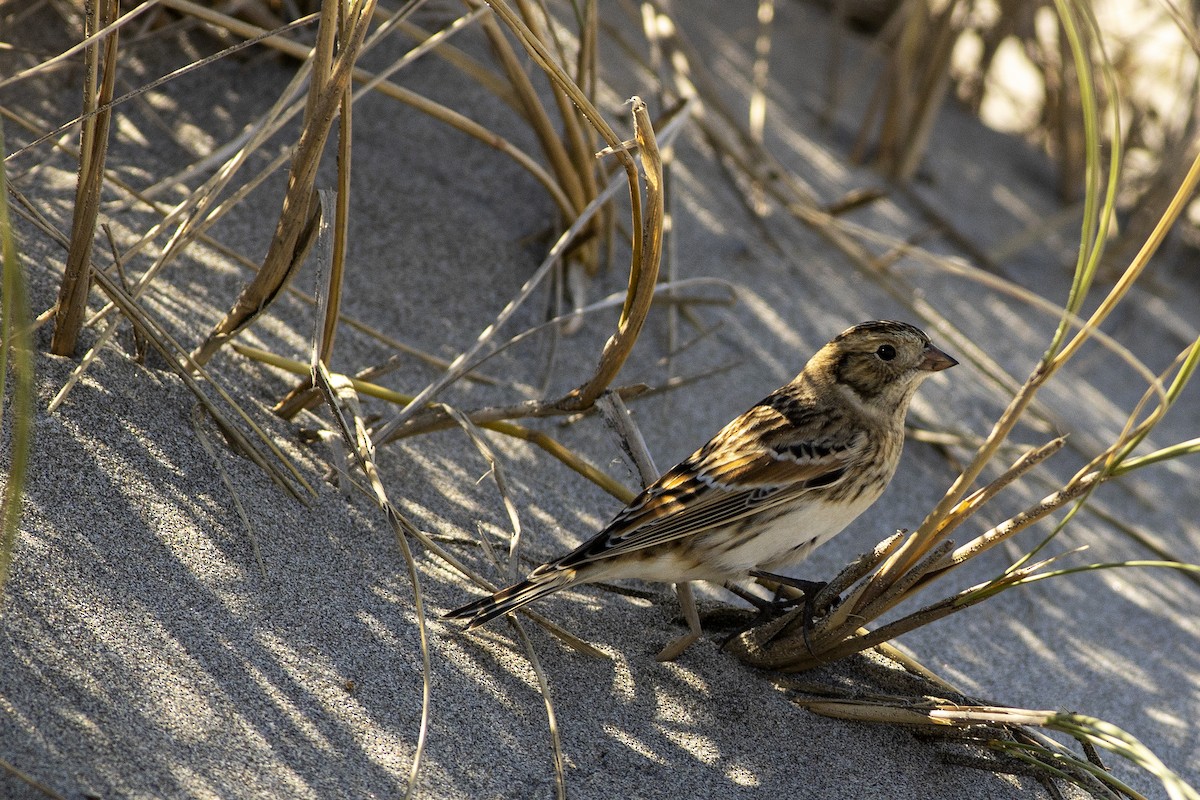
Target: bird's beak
{"type": "Point", "coordinates": [935, 360]}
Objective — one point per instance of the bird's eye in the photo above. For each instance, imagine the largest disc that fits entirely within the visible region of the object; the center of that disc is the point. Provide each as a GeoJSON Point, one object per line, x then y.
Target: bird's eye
{"type": "Point", "coordinates": [886, 352]}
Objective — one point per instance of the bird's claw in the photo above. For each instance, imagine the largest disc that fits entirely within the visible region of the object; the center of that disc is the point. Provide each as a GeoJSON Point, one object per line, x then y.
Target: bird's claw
{"type": "Point", "coordinates": [811, 590]}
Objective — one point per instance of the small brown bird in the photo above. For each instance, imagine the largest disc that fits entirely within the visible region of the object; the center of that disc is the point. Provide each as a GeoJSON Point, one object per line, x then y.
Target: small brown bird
{"type": "Point", "coordinates": [775, 483]}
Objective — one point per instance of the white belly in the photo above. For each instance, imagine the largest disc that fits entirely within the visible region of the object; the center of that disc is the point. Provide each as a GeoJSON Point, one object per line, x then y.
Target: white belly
{"type": "Point", "coordinates": [770, 540]}
{"type": "Point", "coordinates": [789, 538]}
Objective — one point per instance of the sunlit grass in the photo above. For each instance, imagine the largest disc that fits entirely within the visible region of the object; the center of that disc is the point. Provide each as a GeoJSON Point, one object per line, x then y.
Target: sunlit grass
{"type": "Point", "coordinates": [557, 100]}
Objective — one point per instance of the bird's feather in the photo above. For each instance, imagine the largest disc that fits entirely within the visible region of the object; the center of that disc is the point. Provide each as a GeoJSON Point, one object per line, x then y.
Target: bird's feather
{"type": "Point", "coordinates": [777, 481]}
{"type": "Point", "coordinates": [744, 470]}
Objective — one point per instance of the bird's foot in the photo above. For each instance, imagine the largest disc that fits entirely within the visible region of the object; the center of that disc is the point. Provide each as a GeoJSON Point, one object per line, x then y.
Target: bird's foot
{"type": "Point", "coordinates": [811, 590]}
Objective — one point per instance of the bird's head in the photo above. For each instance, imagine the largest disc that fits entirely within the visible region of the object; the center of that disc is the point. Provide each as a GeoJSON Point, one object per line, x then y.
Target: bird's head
{"type": "Point", "coordinates": [879, 364]}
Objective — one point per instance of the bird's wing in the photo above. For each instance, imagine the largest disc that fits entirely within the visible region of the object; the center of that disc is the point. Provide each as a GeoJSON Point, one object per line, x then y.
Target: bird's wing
{"type": "Point", "coordinates": [758, 461]}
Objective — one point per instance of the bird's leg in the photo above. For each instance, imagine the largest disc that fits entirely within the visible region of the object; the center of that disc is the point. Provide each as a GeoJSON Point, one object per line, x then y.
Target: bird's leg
{"type": "Point", "coordinates": [687, 604]}
{"type": "Point", "coordinates": [772, 609]}
{"type": "Point", "coordinates": [767, 609]}
{"type": "Point", "coordinates": [810, 589]}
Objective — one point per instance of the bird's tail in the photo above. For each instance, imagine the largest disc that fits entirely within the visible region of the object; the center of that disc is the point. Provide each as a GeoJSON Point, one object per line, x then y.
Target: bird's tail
{"type": "Point", "coordinates": [541, 582]}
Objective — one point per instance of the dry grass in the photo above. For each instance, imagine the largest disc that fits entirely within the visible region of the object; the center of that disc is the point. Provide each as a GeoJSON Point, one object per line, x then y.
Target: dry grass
{"type": "Point", "coordinates": [16, 361]}
{"type": "Point", "coordinates": [1084, 91]}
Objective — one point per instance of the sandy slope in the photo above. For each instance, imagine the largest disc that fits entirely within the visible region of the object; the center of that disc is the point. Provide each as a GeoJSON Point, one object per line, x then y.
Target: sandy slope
{"type": "Point", "coordinates": [143, 653]}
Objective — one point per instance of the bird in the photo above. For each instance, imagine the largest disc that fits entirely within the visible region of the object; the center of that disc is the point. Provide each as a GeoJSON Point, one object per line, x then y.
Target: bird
{"type": "Point", "coordinates": [775, 483]}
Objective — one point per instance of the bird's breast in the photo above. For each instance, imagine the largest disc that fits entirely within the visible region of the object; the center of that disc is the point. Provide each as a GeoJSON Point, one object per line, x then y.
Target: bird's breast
{"type": "Point", "coordinates": [788, 535]}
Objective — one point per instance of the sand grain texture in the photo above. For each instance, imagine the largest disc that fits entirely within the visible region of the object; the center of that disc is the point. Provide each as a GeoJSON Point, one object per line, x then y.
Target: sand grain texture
{"type": "Point", "coordinates": [144, 654]}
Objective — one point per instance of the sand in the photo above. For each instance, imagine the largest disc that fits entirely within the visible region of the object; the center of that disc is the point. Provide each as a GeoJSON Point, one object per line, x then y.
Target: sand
{"type": "Point", "coordinates": [145, 651]}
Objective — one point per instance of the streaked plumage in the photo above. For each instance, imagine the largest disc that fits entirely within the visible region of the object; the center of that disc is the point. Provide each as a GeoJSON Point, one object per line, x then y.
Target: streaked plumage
{"type": "Point", "coordinates": [784, 477]}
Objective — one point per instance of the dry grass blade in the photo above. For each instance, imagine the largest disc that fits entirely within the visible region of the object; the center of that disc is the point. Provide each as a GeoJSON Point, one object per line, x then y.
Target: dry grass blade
{"type": "Point", "coordinates": [294, 232]}
{"type": "Point", "coordinates": [535, 114]}
{"type": "Point", "coordinates": [915, 85]}
{"type": "Point", "coordinates": [581, 139]}
{"type": "Point", "coordinates": [343, 403]}
{"type": "Point", "coordinates": [617, 415]}
{"type": "Point", "coordinates": [91, 39]}
{"type": "Point", "coordinates": [497, 472]}
{"type": "Point", "coordinates": [331, 254]}
{"type": "Point", "coordinates": [927, 534]}
{"type": "Point", "coordinates": [463, 362]}
{"type": "Point", "coordinates": [31, 782]}
{"type": "Point", "coordinates": [424, 105]}
{"type": "Point", "coordinates": [341, 226]}
{"type": "Point", "coordinates": [643, 273]}
{"type": "Point", "coordinates": [581, 101]}
{"type": "Point", "coordinates": [342, 400]}
{"type": "Point", "coordinates": [178, 359]}
{"type": "Point", "coordinates": [1091, 733]}
{"type": "Point", "coordinates": [16, 359]}
{"type": "Point", "coordinates": [73, 293]}
{"type": "Point", "coordinates": [789, 190]}
{"type": "Point", "coordinates": [538, 50]}
{"type": "Point", "coordinates": [486, 451]}
{"type": "Point", "coordinates": [175, 355]}
{"type": "Point", "coordinates": [1113, 460]}
{"type": "Point", "coordinates": [560, 771]}
{"type": "Point", "coordinates": [485, 419]}
{"type": "Point", "coordinates": [202, 437]}
{"type": "Point", "coordinates": [262, 36]}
